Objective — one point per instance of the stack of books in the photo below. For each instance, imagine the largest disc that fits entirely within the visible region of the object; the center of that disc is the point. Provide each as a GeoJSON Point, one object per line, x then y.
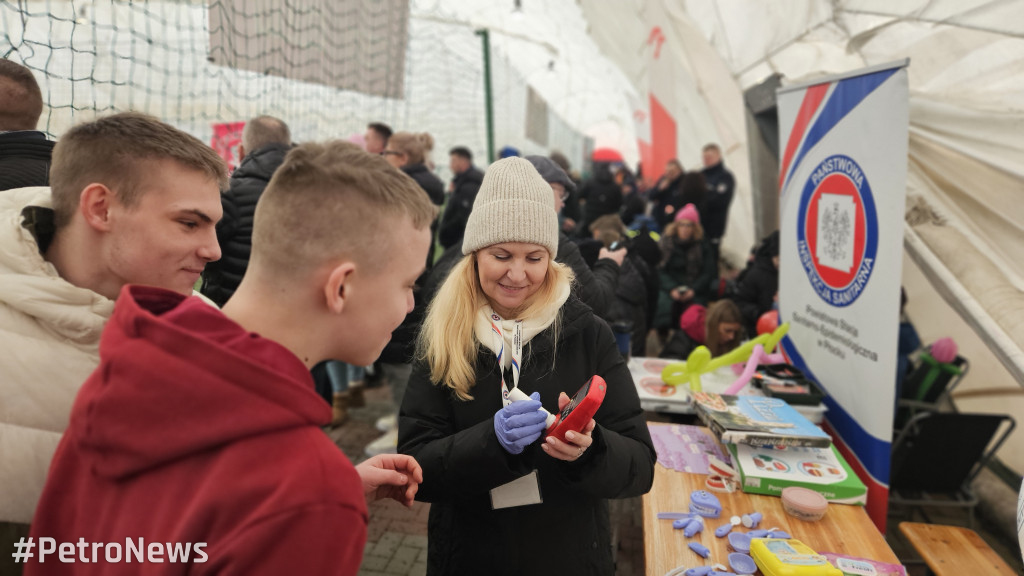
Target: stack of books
{"type": "Point", "coordinates": [773, 446]}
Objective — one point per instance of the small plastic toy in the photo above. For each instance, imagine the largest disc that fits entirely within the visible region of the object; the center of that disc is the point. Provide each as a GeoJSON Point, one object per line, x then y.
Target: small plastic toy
{"type": "Point", "coordinates": [681, 523]}
{"type": "Point", "coordinates": [723, 530]}
{"type": "Point", "coordinates": [740, 542]}
{"type": "Point", "coordinates": [695, 526]}
{"type": "Point", "coordinates": [699, 549]}
{"type": "Point", "coordinates": [752, 520]}
{"type": "Point", "coordinates": [705, 503]}
{"type": "Point", "coordinates": [675, 515]}
{"type": "Point", "coordinates": [742, 563]}
{"type": "Point", "coordinates": [778, 534]}
{"type": "Point", "coordinates": [758, 533]}
{"type": "Point", "coordinates": [699, 571]}
{"type": "Point", "coordinates": [789, 558]}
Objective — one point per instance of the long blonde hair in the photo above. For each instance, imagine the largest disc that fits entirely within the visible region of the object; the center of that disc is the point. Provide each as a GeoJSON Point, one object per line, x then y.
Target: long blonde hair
{"type": "Point", "coordinates": [448, 342]}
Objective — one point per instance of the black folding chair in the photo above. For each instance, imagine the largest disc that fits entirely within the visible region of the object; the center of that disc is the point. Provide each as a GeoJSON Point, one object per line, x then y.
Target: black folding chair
{"type": "Point", "coordinates": [937, 456]}
{"type": "Point", "coordinates": [927, 388]}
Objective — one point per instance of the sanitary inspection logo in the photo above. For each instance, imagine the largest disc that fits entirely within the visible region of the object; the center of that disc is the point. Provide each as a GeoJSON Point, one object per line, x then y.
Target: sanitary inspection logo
{"type": "Point", "coordinates": [837, 231]}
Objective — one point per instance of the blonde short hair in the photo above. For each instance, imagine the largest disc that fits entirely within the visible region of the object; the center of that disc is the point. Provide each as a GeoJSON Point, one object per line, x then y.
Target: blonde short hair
{"type": "Point", "coordinates": [416, 147]}
{"type": "Point", "coordinates": [117, 151]}
{"type": "Point", "coordinates": [329, 201]}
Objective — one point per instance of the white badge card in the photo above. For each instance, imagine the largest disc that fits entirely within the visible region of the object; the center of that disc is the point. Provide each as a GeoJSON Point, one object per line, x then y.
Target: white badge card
{"type": "Point", "coordinates": [522, 491]}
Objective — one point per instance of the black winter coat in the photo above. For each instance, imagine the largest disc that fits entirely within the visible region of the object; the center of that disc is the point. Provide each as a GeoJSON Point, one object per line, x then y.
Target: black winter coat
{"type": "Point", "coordinates": [427, 180]}
{"type": "Point", "coordinates": [602, 196]}
{"type": "Point", "coordinates": [595, 287]}
{"type": "Point", "coordinates": [755, 294]}
{"type": "Point", "coordinates": [455, 443]}
{"type": "Point", "coordinates": [234, 231]}
{"type": "Point", "coordinates": [720, 188]}
{"type": "Point", "coordinates": [24, 159]}
{"type": "Point", "coordinates": [460, 203]}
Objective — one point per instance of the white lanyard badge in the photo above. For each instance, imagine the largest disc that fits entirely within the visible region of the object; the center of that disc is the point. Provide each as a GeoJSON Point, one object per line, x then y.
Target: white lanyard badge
{"type": "Point", "coordinates": [516, 352]}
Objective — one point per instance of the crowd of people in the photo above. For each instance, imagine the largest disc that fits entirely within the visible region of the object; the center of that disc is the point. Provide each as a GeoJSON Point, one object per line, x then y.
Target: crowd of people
{"type": "Point", "coordinates": [173, 332]}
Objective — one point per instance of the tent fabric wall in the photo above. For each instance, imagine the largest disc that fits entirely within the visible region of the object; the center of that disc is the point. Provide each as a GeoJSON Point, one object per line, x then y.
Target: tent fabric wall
{"type": "Point", "coordinates": [966, 153]}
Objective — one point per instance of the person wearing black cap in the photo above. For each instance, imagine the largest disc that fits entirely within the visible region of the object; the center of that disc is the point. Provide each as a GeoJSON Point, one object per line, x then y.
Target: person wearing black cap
{"type": "Point", "coordinates": [595, 287]}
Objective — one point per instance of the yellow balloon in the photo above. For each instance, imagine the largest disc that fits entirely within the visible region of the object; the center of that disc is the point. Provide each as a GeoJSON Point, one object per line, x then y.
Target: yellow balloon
{"type": "Point", "coordinates": [775, 338]}
{"type": "Point", "coordinates": [700, 362]}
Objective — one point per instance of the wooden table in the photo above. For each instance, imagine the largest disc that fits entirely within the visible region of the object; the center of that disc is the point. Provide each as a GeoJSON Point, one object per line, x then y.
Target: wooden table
{"type": "Point", "coordinates": [953, 550]}
{"type": "Point", "coordinates": [844, 529]}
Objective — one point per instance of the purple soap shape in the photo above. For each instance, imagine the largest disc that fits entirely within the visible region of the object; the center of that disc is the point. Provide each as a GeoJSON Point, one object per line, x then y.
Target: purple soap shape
{"type": "Point", "coordinates": [681, 523]}
{"type": "Point", "coordinates": [696, 525]}
{"type": "Point", "coordinates": [700, 549]}
{"type": "Point", "coordinates": [723, 530]}
{"type": "Point", "coordinates": [698, 571]}
{"type": "Point", "coordinates": [742, 563]}
{"type": "Point", "coordinates": [740, 542]}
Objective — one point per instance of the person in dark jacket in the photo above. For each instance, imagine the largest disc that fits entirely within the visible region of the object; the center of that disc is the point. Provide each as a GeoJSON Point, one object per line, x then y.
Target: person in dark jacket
{"type": "Point", "coordinates": [687, 268]}
{"type": "Point", "coordinates": [571, 213]}
{"type": "Point", "coordinates": [472, 441]}
{"type": "Point", "coordinates": [600, 195]}
{"type": "Point", "coordinates": [756, 291]}
{"type": "Point", "coordinates": [663, 195]}
{"type": "Point", "coordinates": [464, 188]}
{"type": "Point", "coordinates": [595, 285]}
{"type": "Point", "coordinates": [265, 142]}
{"type": "Point", "coordinates": [408, 152]}
{"type": "Point", "coordinates": [636, 282]}
{"type": "Point", "coordinates": [720, 186]}
{"type": "Point", "coordinates": [24, 151]}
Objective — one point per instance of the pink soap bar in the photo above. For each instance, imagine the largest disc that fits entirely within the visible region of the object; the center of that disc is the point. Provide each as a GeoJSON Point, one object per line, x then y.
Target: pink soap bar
{"type": "Point", "coordinates": [803, 503]}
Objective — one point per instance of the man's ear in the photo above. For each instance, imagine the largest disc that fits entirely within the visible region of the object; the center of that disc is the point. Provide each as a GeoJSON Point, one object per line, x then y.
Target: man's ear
{"type": "Point", "coordinates": [339, 286]}
{"type": "Point", "coordinates": [95, 203]}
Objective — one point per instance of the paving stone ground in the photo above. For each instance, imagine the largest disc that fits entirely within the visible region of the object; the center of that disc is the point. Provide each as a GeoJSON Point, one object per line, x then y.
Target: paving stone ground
{"type": "Point", "coordinates": [396, 543]}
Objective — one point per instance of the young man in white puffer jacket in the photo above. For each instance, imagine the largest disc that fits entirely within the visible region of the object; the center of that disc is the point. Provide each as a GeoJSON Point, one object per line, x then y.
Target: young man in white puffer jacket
{"type": "Point", "coordinates": [132, 201]}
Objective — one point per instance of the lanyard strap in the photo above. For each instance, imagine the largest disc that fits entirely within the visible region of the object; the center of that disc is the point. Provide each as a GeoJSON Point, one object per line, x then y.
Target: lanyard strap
{"type": "Point", "coordinates": [516, 352]}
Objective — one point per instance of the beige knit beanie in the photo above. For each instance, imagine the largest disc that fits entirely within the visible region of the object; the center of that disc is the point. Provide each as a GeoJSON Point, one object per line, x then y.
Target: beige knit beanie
{"type": "Point", "coordinates": [514, 204]}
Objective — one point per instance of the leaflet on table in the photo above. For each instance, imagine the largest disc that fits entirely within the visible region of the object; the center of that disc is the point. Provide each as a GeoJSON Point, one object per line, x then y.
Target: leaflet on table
{"type": "Point", "coordinates": [653, 392]}
{"type": "Point", "coordinates": [767, 470]}
{"type": "Point", "coordinates": [646, 373]}
{"type": "Point", "coordinates": [758, 421]}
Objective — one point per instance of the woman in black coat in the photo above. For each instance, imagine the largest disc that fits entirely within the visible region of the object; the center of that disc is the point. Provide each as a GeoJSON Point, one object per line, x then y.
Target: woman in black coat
{"type": "Point", "coordinates": [471, 442]}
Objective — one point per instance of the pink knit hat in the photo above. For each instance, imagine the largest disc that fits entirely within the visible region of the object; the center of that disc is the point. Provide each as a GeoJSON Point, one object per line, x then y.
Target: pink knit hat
{"type": "Point", "coordinates": [688, 212]}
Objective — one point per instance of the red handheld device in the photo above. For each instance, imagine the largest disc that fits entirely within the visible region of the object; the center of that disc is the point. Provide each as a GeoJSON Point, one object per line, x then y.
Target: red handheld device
{"type": "Point", "coordinates": [578, 412]}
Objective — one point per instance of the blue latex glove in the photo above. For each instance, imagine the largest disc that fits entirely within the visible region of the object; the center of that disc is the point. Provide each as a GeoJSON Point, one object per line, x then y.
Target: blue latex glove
{"type": "Point", "coordinates": [520, 424]}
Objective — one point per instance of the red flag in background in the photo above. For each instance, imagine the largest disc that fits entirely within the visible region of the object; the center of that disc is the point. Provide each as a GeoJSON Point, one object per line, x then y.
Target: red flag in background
{"type": "Point", "coordinates": [227, 137]}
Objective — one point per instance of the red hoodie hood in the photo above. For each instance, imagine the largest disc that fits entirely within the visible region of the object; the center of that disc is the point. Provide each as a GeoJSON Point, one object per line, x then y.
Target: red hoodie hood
{"type": "Point", "coordinates": [174, 372]}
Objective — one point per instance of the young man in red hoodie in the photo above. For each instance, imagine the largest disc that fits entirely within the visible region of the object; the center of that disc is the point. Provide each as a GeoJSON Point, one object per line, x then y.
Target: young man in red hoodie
{"type": "Point", "coordinates": [196, 447]}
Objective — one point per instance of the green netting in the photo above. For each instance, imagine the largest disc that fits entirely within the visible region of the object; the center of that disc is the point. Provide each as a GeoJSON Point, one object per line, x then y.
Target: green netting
{"type": "Point", "coordinates": [327, 67]}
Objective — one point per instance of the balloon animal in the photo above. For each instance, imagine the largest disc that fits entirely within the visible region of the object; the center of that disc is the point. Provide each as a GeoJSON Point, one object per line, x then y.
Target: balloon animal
{"type": "Point", "coordinates": [700, 362]}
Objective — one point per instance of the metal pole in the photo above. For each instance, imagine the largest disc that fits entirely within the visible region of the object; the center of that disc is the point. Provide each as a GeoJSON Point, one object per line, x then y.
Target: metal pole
{"type": "Point", "coordinates": [486, 37]}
